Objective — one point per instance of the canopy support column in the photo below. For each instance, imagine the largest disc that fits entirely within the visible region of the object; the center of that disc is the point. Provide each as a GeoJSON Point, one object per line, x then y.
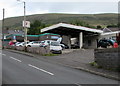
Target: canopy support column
{"type": "Point", "coordinates": [81, 40]}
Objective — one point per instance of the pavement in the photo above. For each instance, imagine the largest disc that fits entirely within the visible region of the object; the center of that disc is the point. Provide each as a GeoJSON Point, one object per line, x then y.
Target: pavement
{"type": "Point", "coordinates": [77, 59]}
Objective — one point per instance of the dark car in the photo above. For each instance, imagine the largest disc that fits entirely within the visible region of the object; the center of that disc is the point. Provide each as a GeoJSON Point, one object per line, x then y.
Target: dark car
{"type": "Point", "coordinates": [105, 43]}
{"type": "Point", "coordinates": [75, 46]}
{"type": "Point", "coordinates": [64, 46]}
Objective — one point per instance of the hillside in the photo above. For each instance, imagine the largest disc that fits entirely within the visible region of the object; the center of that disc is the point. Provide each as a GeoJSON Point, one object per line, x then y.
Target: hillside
{"type": "Point", "coordinates": [53, 18]}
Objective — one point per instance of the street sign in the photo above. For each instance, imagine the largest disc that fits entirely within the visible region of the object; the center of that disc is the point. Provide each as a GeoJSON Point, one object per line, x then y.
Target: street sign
{"type": "Point", "coordinates": [14, 37]}
{"type": "Point", "coordinates": [27, 24]}
{"type": "Point", "coordinates": [54, 37]}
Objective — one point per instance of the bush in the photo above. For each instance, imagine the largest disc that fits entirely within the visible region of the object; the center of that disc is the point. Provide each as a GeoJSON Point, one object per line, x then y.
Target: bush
{"type": "Point", "coordinates": [95, 65]}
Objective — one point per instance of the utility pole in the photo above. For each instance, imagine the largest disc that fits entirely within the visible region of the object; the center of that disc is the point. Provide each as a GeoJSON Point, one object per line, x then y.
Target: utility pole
{"type": "Point", "coordinates": [3, 28]}
{"type": "Point", "coordinates": [24, 22]}
{"type": "Point", "coordinates": [25, 28]}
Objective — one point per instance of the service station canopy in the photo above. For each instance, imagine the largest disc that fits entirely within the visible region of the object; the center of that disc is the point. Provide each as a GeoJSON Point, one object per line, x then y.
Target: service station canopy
{"type": "Point", "coordinates": [70, 30]}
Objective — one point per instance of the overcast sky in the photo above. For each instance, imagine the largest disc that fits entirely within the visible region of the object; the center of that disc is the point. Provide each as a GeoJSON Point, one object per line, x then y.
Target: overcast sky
{"type": "Point", "coordinates": [15, 8]}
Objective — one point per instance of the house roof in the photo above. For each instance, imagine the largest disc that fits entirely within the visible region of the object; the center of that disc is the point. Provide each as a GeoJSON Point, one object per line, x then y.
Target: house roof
{"type": "Point", "coordinates": [105, 30]}
{"type": "Point", "coordinates": [80, 28]}
{"type": "Point", "coordinates": [110, 33]}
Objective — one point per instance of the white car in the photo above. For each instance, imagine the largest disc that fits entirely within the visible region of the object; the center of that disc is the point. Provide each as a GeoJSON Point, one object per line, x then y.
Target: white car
{"type": "Point", "coordinates": [63, 46]}
{"type": "Point", "coordinates": [20, 44]}
{"type": "Point", "coordinates": [45, 43]}
{"type": "Point", "coordinates": [55, 47]}
{"type": "Point", "coordinates": [33, 44]}
{"type": "Point", "coordinates": [16, 43]}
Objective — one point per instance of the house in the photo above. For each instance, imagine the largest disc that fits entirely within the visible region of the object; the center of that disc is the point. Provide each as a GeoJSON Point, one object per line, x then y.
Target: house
{"type": "Point", "coordinates": [110, 33]}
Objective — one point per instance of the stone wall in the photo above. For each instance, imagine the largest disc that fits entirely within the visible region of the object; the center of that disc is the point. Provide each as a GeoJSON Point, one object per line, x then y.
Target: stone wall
{"type": "Point", "coordinates": [108, 58]}
{"type": "Point", "coordinates": [35, 50]}
{"type": "Point", "coordinates": [39, 50]}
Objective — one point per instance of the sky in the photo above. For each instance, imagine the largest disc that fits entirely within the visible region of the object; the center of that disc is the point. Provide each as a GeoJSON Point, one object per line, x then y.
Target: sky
{"type": "Point", "coordinates": [15, 8]}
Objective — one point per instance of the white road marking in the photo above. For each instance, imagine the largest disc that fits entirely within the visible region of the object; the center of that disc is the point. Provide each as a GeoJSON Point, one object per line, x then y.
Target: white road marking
{"type": "Point", "coordinates": [40, 69]}
{"type": "Point", "coordinates": [4, 54]}
{"type": "Point", "coordinates": [77, 84]}
{"type": "Point", "coordinates": [15, 59]}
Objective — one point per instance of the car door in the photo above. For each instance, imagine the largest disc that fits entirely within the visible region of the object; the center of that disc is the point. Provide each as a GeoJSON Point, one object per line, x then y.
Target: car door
{"type": "Point", "coordinates": [37, 44]}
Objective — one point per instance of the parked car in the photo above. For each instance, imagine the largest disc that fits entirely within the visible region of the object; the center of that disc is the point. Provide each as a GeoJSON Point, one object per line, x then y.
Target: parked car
{"type": "Point", "coordinates": [45, 43]}
{"type": "Point", "coordinates": [33, 44]}
{"type": "Point", "coordinates": [64, 46]}
{"type": "Point", "coordinates": [21, 44]}
{"type": "Point", "coordinates": [11, 43]}
{"type": "Point", "coordinates": [105, 43]}
{"type": "Point", "coordinates": [55, 47]}
{"type": "Point", "coordinates": [17, 43]}
{"type": "Point", "coordinates": [75, 46]}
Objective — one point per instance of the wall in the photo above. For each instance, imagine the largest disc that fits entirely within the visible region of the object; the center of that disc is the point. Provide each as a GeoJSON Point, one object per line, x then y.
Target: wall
{"type": "Point", "coordinates": [93, 40]}
{"type": "Point", "coordinates": [65, 39]}
{"type": "Point", "coordinates": [108, 36]}
{"type": "Point", "coordinates": [36, 50]}
{"type": "Point", "coordinates": [108, 58]}
{"type": "Point", "coordinates": [39, 50]}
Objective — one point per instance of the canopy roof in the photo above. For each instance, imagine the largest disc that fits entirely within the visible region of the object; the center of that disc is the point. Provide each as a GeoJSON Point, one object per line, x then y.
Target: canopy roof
{"type": "Point", "coordinates": [69, 29]}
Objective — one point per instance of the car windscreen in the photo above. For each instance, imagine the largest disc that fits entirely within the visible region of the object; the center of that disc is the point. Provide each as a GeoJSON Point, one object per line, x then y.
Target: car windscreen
{"type": "Point", "coordinates": [55, 43]}
{"type": "Point", "coordinates": [18, 43]}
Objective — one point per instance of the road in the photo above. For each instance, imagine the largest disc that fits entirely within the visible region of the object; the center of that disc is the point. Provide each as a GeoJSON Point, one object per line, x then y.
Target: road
{"type": "Point", "coordinates": [22, 69]}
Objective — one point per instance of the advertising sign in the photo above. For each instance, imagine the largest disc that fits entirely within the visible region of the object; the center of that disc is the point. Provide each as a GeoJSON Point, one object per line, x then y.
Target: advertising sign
{"type": "Point", "coordinates": [27, 24]}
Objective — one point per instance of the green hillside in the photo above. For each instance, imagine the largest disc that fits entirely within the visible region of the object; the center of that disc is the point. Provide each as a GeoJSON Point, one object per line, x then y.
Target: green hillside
{"type": "Point", "coordinates": [53, 18]}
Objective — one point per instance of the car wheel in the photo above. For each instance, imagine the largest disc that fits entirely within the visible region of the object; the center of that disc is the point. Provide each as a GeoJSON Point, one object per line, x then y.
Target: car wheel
{"type": "Point", "coordinates": [29, 46]}
{"type": "Point", "coordinates": [63, 47]}
{"type": "Point", "coordinates": [60, 52]}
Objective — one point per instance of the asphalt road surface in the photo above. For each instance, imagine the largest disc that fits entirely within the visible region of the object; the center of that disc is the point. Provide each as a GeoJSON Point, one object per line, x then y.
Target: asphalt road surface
{"type": "Point", "coordinates": [22, 69]}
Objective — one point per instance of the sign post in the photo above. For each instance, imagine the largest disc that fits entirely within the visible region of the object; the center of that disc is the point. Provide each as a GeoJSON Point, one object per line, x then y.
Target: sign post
{"type": "Point", "coordinates": [26, 24]}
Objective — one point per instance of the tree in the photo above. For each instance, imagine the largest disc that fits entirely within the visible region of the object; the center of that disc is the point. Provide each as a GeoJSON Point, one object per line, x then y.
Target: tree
{"type": "Point", "coordinates": [98, 27]}
{"type": "Point", "coordinates": [35, 28]}
{"type": "Point", "coordinates": [112, 26]}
